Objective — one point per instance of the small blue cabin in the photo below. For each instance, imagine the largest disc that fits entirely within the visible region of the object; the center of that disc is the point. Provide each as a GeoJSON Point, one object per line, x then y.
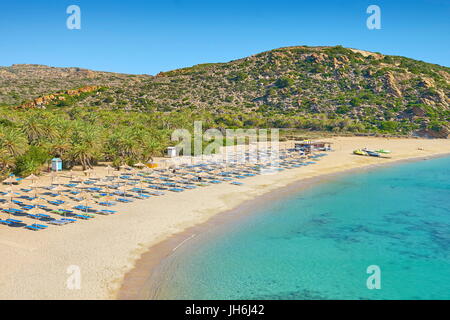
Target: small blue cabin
{"type": "Point", "coordinates": [56, 164]}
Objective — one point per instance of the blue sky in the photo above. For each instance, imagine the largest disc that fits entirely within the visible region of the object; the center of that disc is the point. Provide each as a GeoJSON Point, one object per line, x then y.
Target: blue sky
{"type": "Point", "coordinates": [146, 36]}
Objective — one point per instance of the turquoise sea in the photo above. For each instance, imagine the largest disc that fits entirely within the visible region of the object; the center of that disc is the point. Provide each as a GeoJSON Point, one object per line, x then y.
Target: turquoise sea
{"type": "Point", "coordinates": [317, 243]}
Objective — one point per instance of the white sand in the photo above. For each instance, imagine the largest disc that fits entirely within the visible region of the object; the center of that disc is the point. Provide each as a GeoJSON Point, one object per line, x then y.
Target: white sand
{"type": "Point", "coordinates": [33, 265]}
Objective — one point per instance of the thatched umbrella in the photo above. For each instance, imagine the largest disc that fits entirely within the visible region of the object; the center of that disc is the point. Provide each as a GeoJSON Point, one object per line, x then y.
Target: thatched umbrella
{"type": "Point", "coordinates": [5, 206]}
{"type": "Point", "coordinates": [58, 189]}
{"type": "Point", "coordinates": [35, 210]}
{"type": "Point", "coordinates": [9, 194]}
{"type": "Point", "coordinates": [87, 199]}
{"type": "Point", "coordinates": [33, 187]}
{"type": "Point", "coordinates": [31, 177]}
{"type": "Point", "coordinates": [109, 170]}
{"type": "Point", "coordinates": [39, 201]}
{"type": "Point", "coordinates": [139, 165]}
{"type": "Point", "coordinates": [88, 172]}
{"type": "Point", "coordinates": [125, 167]}
{"type": "Point", "coordinates": [10, 180]}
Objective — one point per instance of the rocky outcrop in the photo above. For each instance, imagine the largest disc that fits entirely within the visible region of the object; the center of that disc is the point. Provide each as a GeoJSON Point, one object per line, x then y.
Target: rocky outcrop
{"type": "Point", "coordinates": [391, 85]}
{"type": "Point", "coordinates": [442, 133]}
{"type": "Point", "coordinates": [41, 102]}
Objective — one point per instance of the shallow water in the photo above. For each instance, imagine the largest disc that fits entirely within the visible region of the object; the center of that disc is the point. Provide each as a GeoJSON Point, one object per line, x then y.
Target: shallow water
{"type": "Point", "coordinates": [317, 243]}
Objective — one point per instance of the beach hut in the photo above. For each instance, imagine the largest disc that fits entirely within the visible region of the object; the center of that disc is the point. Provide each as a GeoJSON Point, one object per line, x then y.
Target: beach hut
{"type": "Point", "coordinates": [171, 152]}
{"type": "Point", "coordinates": [56, 164]}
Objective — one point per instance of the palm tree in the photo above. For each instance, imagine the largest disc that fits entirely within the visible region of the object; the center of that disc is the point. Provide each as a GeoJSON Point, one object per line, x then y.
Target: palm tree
{"type": "Point", "coordinates": [86, 142]}
{"type": "Point", "coordinates": [13, 141]}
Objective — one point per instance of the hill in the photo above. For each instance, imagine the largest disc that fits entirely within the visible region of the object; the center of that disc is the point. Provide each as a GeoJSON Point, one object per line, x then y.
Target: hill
{"type": "Point", "coordinates": [376, 91]}
{"type": "Point", "coordinates": [86, 116]}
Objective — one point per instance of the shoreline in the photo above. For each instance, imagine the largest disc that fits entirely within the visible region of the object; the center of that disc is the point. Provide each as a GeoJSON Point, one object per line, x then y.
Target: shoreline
{"type": "Point", "coordinates": [142, 282]}
{"type": "Point", "coordinates": [108, 249]}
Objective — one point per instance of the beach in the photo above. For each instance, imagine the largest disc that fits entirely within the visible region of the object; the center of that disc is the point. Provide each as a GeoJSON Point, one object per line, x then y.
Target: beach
{"type": "Point", "coordinates": [35, 264]}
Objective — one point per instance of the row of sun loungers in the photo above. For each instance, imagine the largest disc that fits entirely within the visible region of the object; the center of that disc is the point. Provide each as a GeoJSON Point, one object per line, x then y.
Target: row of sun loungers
{"type": "Point", "coordinates": [128, 187]}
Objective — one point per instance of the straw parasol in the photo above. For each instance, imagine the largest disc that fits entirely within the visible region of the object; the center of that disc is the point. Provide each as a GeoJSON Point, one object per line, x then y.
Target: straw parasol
{"type": "Point", "coordinates": [139, 165]}
{"type": "Point", "coordinates": [31, 177]}
{"type": "Point", "coordinates": [109, 169]}
{"type": "Point", "coordinates": [35, 210]}
{"type": "Point", "coordinates": [87, 172]}
{"type": "Point", "coordinates": [38, 201]}
{"type": "Point", "coordinates": [125, 167]}
{"type": "Point", "coordinates": [5, 206]}
{"type": "Point", "coordinates": [9, 194]}
{"type": "Point", "coordinates": [58, 189]}
{"type": "Point", "coordinates": [10, 180]}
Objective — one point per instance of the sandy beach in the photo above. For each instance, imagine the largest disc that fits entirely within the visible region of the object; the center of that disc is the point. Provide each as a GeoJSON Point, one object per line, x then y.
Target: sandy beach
{"type": "Point", "coordinates": [34, 265]}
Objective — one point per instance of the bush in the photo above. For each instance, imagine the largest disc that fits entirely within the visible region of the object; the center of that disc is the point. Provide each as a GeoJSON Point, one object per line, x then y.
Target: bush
{"type": "Point", "coordinates": [284, 83]}
{"type": "Point", "coordinates": [31, 161]}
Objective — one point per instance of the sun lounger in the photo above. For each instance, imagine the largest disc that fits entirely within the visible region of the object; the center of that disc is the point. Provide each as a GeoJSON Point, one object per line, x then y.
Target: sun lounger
{"type": "Point", "coordinates": [82, 216]}
{"type": "Point", "coordinates": [13, 221]}
{"type": "Point", "coordinates": [107, 211]}
{"type": "Point", "coordinates": [58, 222]}
{"type": "Point", "coordinates": [33, 228]}
{"type": "Point", "coordinates": [124, 200]}
{"type": "Point", "coordinates": [36, 227]}
{"type": "Point", "coordinates": [107, 203]}
{"type": "Point", "coordinates": [142, 196]}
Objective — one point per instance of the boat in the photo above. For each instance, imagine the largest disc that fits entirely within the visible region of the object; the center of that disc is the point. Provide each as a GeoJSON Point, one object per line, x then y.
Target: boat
{"type": "Point", "coordinates": [360, 152]}
{"type": "Point", "coordinates": [372, 153]}
{"type": "Point", "coordinates": [383, 151]}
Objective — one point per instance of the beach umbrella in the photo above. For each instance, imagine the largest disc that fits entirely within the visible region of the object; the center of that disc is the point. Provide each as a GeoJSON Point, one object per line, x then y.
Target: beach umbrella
{"type": "Point", "coordinates": [9, 194]}
{"type": "Point", "coordinates": [33, 187]}
{"type": "Point", "coordinates": [58, 189]}
{"type": "Point", "coordinates": [31, 177]}
{"type": "Point", "coordinates": [38, 201]}
{"type": "Point", "coordinates": [108, 198]}
{"type": "Point", "coordinates": [10, 180]}
{"type": "Point", "coordinates": [66, 206]}
{"type": "Point", "coordinates": [55, 177]}
{"type": "Point", "coordinates": [6, 206]}
{"type": "Point", "coordinates": [35, 210]}
{"type": "Point", "coordinates": [124, 167]}
{"type": "Point", "coordinates": [109, 170]}
{"type": "Point", "coordinates": [88, 172]}
{"type": "Point", "coordinates": [139, 165]}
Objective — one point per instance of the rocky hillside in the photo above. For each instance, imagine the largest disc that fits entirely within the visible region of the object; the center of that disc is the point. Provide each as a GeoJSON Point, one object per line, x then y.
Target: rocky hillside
{"type": "Point", "coordinates": [25, 82]}
{"type": "Point", "coordinates": [376, 90]}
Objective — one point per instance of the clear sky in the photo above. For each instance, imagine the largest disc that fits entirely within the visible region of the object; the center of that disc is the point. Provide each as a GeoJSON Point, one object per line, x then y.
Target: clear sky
{"type": "Point", "coordinates": [147, 36]}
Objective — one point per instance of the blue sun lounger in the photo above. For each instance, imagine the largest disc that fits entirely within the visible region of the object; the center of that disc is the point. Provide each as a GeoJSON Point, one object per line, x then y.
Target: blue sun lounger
{"type": "Point", "coordinates": [108, 211]}
{"type": "Point", "coordinates": [124, 200]}
{"type": "Point", "coordinates": [36, 227]}
{"type": "Point", "coordinates": [142, 196]}
{"type": "Point", "coordinates": [107, 203]}
{"type": "Point", "coordinates": [82, 216]}
{"type": "Point", "coordinates": [80, 207]}
{"type": "Point", "coordinates": [13, 221]}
